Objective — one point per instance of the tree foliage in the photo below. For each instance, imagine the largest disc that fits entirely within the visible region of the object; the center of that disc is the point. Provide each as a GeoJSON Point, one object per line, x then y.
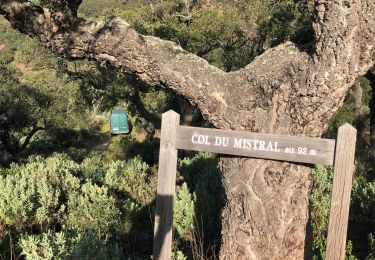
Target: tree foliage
{"type": "Point", "coordinates": [20, 108]}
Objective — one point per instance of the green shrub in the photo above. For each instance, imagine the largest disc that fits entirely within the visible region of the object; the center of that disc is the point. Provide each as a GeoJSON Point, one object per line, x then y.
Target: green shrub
{"type": "Point", "coordinates": [371, 242]}
{"type": "Point", "coordinates": [202, 175]}
{"type": "Point", "coordinates": [203, 178]}
{"type": "Point", "coordinates": [184, 212]}
{"type": "Point", "coordinates": [321, 202]}
{"type": "Point", "coordinates": [69, 245]}
{"type": "Point", "coordinates": [94, 169]}
{"type": "Point", "coordinates": [134, 178]}
{"type": "Point", "coordinates": [32, 194]}
{"type": "Point", "coordinates": [128, 148]}
{"type": "Point", "coordinates": [77, 154]}
{"type": "Point", "coordinates": [178, 255]}
{"type": "Point", "coordinates": [91, 209]}
{"type": "Point", "coordinates": [363, 201]}
{"type": "Point", "coordinates": [46, 246]}
{"type": "Point", "coordinates": [55, 208]}
{"type": "Point", "coordinates": [6, 57]}
{"type": "Point", "coordinates": [75, 142]}
{"type": "Point", "coordinates": [51, 208]}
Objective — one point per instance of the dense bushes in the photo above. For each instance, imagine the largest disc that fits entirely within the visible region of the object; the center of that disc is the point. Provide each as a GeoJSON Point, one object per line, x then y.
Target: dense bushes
{"type": "Point", "coordinates": [128, 147]}
{"type": "Point", "coordinates": [361, 216]}
{"type": "Point", "coordinates": [203, 178]}
{"type": "Point", "coordinates": [50, 204]}
{"type": "Point", "coordinates": [55, 208]}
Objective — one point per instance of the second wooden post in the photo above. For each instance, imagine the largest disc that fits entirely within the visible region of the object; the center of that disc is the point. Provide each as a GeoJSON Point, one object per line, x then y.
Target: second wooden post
{"type": "Point", "coordinates": [166, 187]}
{"type": "Point", "coordinates": [341, 189]}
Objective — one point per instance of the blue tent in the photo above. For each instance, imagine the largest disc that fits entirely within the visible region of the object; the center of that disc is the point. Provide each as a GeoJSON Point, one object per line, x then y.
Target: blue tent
{"type": "Point", "coordinates": [119, 122]}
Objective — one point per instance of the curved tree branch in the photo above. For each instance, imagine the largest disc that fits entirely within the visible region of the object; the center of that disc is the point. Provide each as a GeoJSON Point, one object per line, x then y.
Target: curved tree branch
{"type": "Point", "coordinates": [284, 81]}
{"type": "Point", "coordinates": [33, 131]}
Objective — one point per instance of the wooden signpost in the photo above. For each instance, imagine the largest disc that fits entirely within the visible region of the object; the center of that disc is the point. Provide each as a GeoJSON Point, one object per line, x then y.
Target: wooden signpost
{"type": "Point", "coordinates": [339, 152]}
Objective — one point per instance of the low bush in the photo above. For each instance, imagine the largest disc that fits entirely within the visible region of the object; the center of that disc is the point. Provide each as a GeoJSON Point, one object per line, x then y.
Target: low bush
{"type": "Point", "coordinates": [361, 220]}
{"type": "Point", "coordinates": [56, 208]}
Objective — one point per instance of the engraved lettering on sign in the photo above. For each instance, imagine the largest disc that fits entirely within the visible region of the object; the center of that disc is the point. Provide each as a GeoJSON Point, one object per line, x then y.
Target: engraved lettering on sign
{"type": "Point", "coordinates": [302, 150]}
{"type": "Point", "coordinates": [256, 145]}
{"type": "Point", "coordinates": [289, 150]}
{"type": "Point", "coordinates": [200, 139]}
{"type": "Point", "coordinates": [250, 144]}
{"type": "Point", "coordinates": [221, 141]}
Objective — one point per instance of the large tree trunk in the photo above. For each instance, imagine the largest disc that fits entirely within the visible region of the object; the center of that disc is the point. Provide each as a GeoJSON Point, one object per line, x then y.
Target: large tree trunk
{"type": "Point", "coordinates": [283, 91]}
{"type": "Point", "coordinates": [267, 212]}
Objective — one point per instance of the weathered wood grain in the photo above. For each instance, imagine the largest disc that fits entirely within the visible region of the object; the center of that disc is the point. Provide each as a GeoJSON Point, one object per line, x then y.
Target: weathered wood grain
{"type": "Point", "coordinates": [166, 187]}
{"type": "Point", "coordinates": [342, 185]}
{"type": "Point", "coordinates": [280, 147]}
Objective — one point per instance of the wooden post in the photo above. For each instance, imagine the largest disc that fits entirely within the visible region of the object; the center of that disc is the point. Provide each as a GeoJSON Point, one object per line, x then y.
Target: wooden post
{"type": "Point", "coordinates": [342, 185]}
{"type": "Point", "coordinates": [166, 187]}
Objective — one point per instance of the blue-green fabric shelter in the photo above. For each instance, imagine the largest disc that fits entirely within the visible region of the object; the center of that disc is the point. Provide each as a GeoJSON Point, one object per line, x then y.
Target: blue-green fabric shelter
{"type": "Point", "coordinates": [119, 121]}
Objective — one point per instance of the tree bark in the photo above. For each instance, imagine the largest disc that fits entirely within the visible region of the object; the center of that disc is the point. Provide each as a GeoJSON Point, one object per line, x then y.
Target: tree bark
{"type": "Point", "coordinates": [283, 91]}
{"type": "Point", "coordinates": [371, 77]}
{"type": "Point", "coordinates": [372, 125]}
{"type": "Point", "coordinates": [30, 135]}
{"type": "Point", "coordinates": [189, 115]}
{"type": "Point", "coordinates": [357, 94]}
{"type": "Point", "coordinates": [360, 121]}
{"type": "Point", "coordinates": [12, 144]}
{"type": "Point", "coordinates": [266, 215]}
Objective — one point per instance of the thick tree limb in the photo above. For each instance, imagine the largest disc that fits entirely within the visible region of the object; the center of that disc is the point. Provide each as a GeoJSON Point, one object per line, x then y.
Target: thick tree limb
{"type": "Point", "coordinates": [12, 144]}
{"type": "Point", "coordinates": [346, 28]}
{"type": "Point", "coordinates": [32, 132]}
{"type": "Point", "coordinates": [154, 61]}
{"type": "Point", "coordinates": [344, 50]}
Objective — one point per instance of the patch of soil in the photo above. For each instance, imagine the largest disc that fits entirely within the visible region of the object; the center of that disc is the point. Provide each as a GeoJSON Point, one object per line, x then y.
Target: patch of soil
{"type": "Point", "coordinates": [139, 137]}
{"type": "Point", "coordinates": [23, 67]}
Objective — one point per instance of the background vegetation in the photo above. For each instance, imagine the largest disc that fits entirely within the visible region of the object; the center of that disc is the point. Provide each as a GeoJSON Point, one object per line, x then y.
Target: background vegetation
{"type": "Point", "coordinates": [70, 190]}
